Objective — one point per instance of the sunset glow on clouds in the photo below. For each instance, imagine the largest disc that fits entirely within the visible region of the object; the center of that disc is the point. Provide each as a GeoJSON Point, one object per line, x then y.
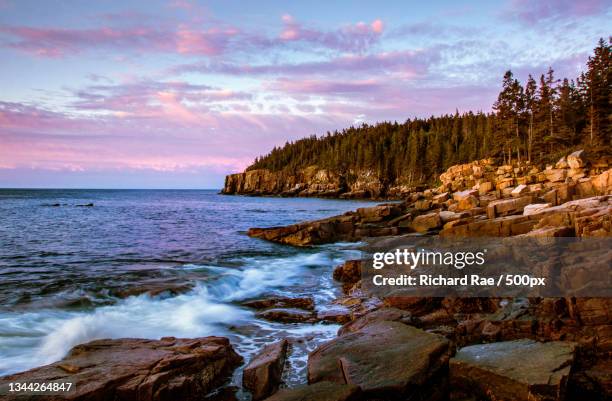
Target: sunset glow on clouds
{"type": "Point", "coordinates": [179, 93]}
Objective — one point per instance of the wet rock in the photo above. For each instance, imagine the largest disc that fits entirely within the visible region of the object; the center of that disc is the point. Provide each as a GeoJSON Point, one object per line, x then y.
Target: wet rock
{"type": "Point", "coordinates": [382, 314]}
{"type": "Point", "coordinates": [321, 391]}
{"type": "Point", "coordinates": [388, 360]}
{"type": "Point", "coordinates": [153, 288]}
{"type": "Point", "coordinates": [337, 228]}
{"type": "Point", "coordinates": [357, 303]}
{"type": "Point", "coordinates": [521, 370]}
{"type": "Point", "coordinates": [335, 314]}
{"type": "Point", "coordinates": [262, 375]}
{"type": "Point", "coordinates": [138, 369]}
{"type": "Point", "coordinates": [306, 303]}
{"type": "Point", "coordinates": [348, 272]}
{"type": "Point", "coordinates": [287, 315]}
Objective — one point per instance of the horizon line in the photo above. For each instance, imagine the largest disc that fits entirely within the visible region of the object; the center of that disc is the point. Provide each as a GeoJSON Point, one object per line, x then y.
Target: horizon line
{"type": "Point", "coordinates": [110, 189]}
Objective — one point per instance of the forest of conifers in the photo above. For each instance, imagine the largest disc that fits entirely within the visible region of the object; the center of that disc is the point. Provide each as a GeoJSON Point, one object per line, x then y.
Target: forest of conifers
{"type": "Point", "coordinates": [537, 121]}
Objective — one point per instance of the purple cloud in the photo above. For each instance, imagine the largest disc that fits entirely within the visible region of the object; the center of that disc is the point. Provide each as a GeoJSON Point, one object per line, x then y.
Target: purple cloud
{"type": "Point", "coordinates": [410, 62]}
{"type": "Point", "coordinates": [531, 12]}
{"type": "Point", "coordinates": [58, 42]}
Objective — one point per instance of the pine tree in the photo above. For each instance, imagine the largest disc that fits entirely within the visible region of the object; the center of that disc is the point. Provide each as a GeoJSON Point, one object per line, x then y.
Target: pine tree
{"type": "Point", "coordinates": [598, 81]}
{"type": "Point", "coordinates": [530, 109]}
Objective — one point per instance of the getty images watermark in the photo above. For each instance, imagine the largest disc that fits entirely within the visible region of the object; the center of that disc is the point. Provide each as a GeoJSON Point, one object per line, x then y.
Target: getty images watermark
{"type": "Point", "coordinates": [476, 267]}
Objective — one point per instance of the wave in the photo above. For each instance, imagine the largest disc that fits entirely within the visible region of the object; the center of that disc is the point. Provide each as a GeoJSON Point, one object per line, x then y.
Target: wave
{"type": "Point", "coordinates": [29, 339]}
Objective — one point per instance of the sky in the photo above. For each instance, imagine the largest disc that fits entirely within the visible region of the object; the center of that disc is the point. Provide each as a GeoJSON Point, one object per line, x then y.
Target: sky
{"type": "Point", "coordinates": [179, 93]}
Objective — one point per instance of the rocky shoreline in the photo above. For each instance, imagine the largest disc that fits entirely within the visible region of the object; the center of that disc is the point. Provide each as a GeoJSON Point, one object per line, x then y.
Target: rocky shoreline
{"type": "Point", "coordinates": [314, 182]}
{"type": "Point", "coordinates": [399, 348]}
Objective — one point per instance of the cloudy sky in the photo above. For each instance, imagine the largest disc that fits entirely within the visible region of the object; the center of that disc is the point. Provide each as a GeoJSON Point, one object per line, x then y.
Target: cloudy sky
{"type": "Point", "coordinates": [177, 93]}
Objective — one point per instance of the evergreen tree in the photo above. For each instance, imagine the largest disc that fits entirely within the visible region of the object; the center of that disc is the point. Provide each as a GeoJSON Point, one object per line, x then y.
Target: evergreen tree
{"type": "Point", "coordinates": [526, 123]}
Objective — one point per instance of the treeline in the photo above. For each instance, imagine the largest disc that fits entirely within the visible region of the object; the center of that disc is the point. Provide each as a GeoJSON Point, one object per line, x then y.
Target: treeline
{"type": "Point", "coordinates": [536, 122]}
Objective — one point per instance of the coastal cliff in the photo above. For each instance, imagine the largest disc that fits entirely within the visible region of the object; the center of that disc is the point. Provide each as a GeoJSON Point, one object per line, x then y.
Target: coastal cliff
{"type": "Point", "coordinates": [313, 181]}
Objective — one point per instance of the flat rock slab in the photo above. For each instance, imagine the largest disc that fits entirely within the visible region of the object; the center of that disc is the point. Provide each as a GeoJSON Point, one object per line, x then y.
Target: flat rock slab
{"type": "Point", "coordinates": [322, 391]}
{"type": "Point", "coordinates": [382, 314]}
{"type": "Point", "coordinates": [281, 302]}
{"type": "Point", "coordinates": [262, 375]}
{"type": "Point", "coordinates": [287, 315]}
{"type": "Point", "coordinates": [137, 369]}
{"type": "Point", "coordinates": [386, 359]}
{"type": "Point", "coordinates": [521, 370]}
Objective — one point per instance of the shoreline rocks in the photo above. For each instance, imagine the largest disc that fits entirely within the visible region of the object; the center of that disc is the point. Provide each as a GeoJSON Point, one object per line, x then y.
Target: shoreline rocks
{"type": "Point", "coordinates": [387, 359]}
{"type": "Point", "coordinates": [138, 369]}
{"type": "Point", "coordinates": [475, 208]}
{"type": "Point", "coordinates": [321, 391]}
{"type": "Point", "coordinates": [572, 198]}
{"type": "Point", "coordinates": [521, 370]}
{"type": "Point", "coordinates": [262, 375]}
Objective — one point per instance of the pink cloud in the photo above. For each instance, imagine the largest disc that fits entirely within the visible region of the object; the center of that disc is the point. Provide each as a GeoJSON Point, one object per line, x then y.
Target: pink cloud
{"type": "Point", "coordinates": [177, 101]}
{"type": "Point", "coordinates": [377, 26]}
{"type": "Point", "coordinates": [166, 134]}
{"type": "Point", "coordinates": [409, 62]}
{"type": "Point", "coordinates": [350, 38]}
{"type": "Point", "coordinates": [212, 39]}
{"type": "Point", "coordinates": [56, 42]}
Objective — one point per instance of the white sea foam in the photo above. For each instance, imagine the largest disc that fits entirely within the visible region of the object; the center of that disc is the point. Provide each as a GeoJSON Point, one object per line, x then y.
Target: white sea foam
{"type": "Point", "coordinates": [34, 338]}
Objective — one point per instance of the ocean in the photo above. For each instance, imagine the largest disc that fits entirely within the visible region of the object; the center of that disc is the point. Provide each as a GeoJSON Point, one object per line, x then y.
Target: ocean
{"type": "Point", "coordinates": [67, 270]}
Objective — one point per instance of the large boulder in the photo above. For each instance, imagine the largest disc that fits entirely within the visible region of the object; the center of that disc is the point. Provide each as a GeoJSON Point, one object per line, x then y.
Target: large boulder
{"type": "Point", "coordinates": [138, 369]}
{"type": "Point", "coordinates": [388, 360]}
{"type": "Point", "coordinates": [262, 375]}
{"type": "Point", "coordinates": [426, 222]}
{"type": "Point", "coordinates": [555, 175]}
{"type": "Point", "coordinates": [322, 391]}
{"type": "Point", "coordinates": [378, 213]}
{"type": "Point", "coordinates": [576, 160]}
{"type": "Point", "coordinates": [520, 370]}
